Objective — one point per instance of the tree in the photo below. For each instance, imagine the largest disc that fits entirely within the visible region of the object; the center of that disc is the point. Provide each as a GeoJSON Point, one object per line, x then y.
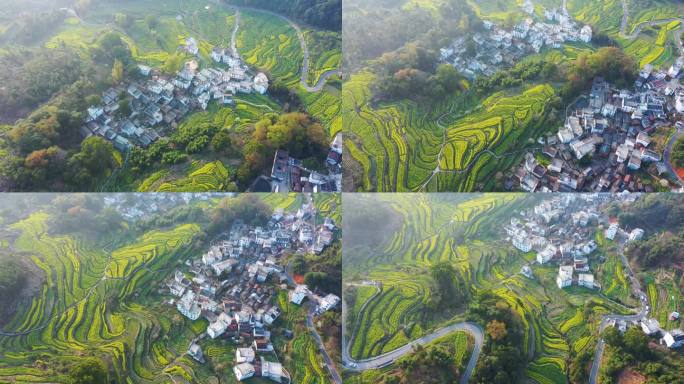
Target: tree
{"type": "Point", "coordinates": [636, 342]}
{"type": "Point", "coordinates": [221, 141]}
{"type": "Point", "coordinates": [496, 330]}
{"type": "Point", "coordinates": [447, 288]}
{"type": "Point", "coordinates": [117, 72]}
{"type": "Point", "coordinates": [298, 265]}
{"type": "Point", "coordinates": [316, 279]}
{"type": "Point", "coordinates": [124, 107]}
{"type": "Point", "coordinates": [613, 337]}
{"type": "Point", "coordinates": [123, 20]}
{"type": "Point", "coordinates": [89, 372]}
{"type": "Point", "coordinates": [152, 22]}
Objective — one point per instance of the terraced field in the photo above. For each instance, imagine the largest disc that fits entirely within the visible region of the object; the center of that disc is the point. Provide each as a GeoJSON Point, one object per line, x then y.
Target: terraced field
{"type": "Point", "coordinates": [430, 231]}
{"type": "Point", "coordinates": [557, 322]}
{"type": "Point", "coordinates": [665, 297]}
{"type": "Point", "coordinates": [89, 306]}
{"type": "Point", "coordinates": [456, 145]}
{"type": "Point", "coordinates": [201, 178]}
{"type": "Point", "coordinates": [101, 299]}
{"type": "Point", "coordinates": [266, 42]}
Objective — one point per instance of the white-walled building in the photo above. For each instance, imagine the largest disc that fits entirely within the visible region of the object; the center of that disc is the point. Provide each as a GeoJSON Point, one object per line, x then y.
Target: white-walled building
{"type": "Point", "coordinates": [564, 278]}
{"type": "Point", "coordinates": [612, 231]}
{"type": "Point", "coordinates": [547, 254]}
{"type": "Point", "coordinates": [636, 234]}
{"type": "Point", "coordinates": [243, 371]}
{"type": "Point", "coordinates": [245, 355]}
{"type": "Point", "coordinates": [586, 280]}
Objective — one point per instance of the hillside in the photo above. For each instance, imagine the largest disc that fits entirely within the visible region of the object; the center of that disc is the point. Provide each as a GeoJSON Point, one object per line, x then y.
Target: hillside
{"type": "Point", "coordinates": [79, 57]}
{"type": "Point", "coordinates": [105, 297]}
{"type": "Point", "coordinates": [394, 293]}
{"type": "Point", "coordinates": [465, 138]}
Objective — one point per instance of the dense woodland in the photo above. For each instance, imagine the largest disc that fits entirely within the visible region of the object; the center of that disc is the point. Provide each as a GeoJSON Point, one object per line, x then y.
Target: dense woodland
{"type": "Point", "coordinates": [325, 14]}
{"type": "Point", "coordinates": [632, 351]}
{"type": "Point", "coordinates": [662, 217]}
{"type": "Point", "coordinates": [501, 360]}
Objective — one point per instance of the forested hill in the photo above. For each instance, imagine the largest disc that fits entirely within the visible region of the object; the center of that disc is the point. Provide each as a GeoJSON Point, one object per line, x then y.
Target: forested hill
{"type": "Point", "coordinates": [326, 14]}
{"type": "Point", "coordinates": [661, 216]}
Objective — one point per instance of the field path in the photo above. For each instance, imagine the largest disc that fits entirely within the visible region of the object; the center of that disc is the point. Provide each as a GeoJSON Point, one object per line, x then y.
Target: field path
{"type": "Point", "coordinates": [233, 36]}
{"type": "Point", "coordinates": [388, 358]}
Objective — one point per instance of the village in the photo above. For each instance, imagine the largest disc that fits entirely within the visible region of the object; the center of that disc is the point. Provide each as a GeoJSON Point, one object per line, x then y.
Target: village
{"type": "Point", "coordinates": [158, 102]}
{"type": "Point", "coordinates": [289, 174]}
{"type": "Point", "coordinates": [487, 52]}
{"type": "Point", "coordinates": [606, 142]}
{"type": "Point", "coordinates": [234, 286]}
{"type": "Point", "coordinates": [561, 230]}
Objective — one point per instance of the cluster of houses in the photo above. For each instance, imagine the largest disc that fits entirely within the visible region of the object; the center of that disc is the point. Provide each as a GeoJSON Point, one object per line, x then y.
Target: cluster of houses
{"type": "Point", "coordinates": [158, 102]}
{"type": "Point", "coordinates": [606, 143]}
{"type": "Point", "coordinates": [289, 174]}
{"type": "Point", "coordinates": [233, 286]}
{"type": "Point", "coordinates": [559, 230]}
{"type": "Point", "coordinates": [497, 47]}
{"type": "Point", "coordinates": [135, 206]}
{"type": "Point", "coordinates": [651, 327]}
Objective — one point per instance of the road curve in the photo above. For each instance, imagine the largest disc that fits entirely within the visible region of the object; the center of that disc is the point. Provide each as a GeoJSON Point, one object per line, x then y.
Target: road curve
{"type": "Point", "coordinates": [305, 49]}
{"type": "Point", "coordinates": [336, 378]}
{"type": "Point", "coordinates": [388, 358]}
{"type": "Point", "coordinates": [640, 26]}
{"type": "Point", "coordinates": [607, 319]}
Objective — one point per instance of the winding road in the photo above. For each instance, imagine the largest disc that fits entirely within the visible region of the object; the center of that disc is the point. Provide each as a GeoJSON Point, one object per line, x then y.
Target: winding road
{"type": "Point", "coordinates": [305, 49]}
{"type": "Point", "coordinates": [388, 358]}
{"type": "Point", "coordinates": [606, 320]}
{"type": "Point", "coordinates": [640, 26]}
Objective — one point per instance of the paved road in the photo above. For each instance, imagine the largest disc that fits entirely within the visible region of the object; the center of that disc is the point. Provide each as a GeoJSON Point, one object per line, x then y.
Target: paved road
{"type": "Point", "coordinates": [233, 35]}
{"type": "Point", "coordinates": [608, 319]}
{"type": "Point", "coordinates": [388, 358]}
{"type": "Point", "coordinates": [305, 49]}
{"type": "Point", "coordinates": [336, 378]}
{"type": "Point", "coordinates": [640, 26]}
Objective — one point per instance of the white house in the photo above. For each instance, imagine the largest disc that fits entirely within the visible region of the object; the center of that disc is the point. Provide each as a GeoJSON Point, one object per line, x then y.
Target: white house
{"type": "Point", "coordinates": [636, 234]}
{"type": "Point", "coordinates": [274, 371]}
{"type": "Point", "coordinates": [585, 34]}
{"type": "Point", "coordinates": [612, 231]}
{"type": "Point", "coordinates": [547, 254]}
{"type": "Point", "coordinates": [586, 280]}
{"type": "Point", "coordinates": [329, 302]}
{"type": "Point", "coordinates": [243, 371]}
{"type": "Point", "coordinates": [187, 305]}
{"type": "Point", "coordinates": [298, 294]}
{"type": "Point", "coordinates": [244, 355]}
{"type": "Point", "coordinates": [564, 278]}
{"type": "Point", "coordinates": [216, 329]}
{"type": "Point", "coordinates": [674, 338]}
{"type": "Point", "coordinates": [272, 315]}
{"type": "Point", "coordinates": [650, 326]}
{"type": "Point", "coordinates": [226, 265]}
{"type": "Point", "coordinates": [261, 83]}
{"type": "Point", "coordinates": [522, 242]}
